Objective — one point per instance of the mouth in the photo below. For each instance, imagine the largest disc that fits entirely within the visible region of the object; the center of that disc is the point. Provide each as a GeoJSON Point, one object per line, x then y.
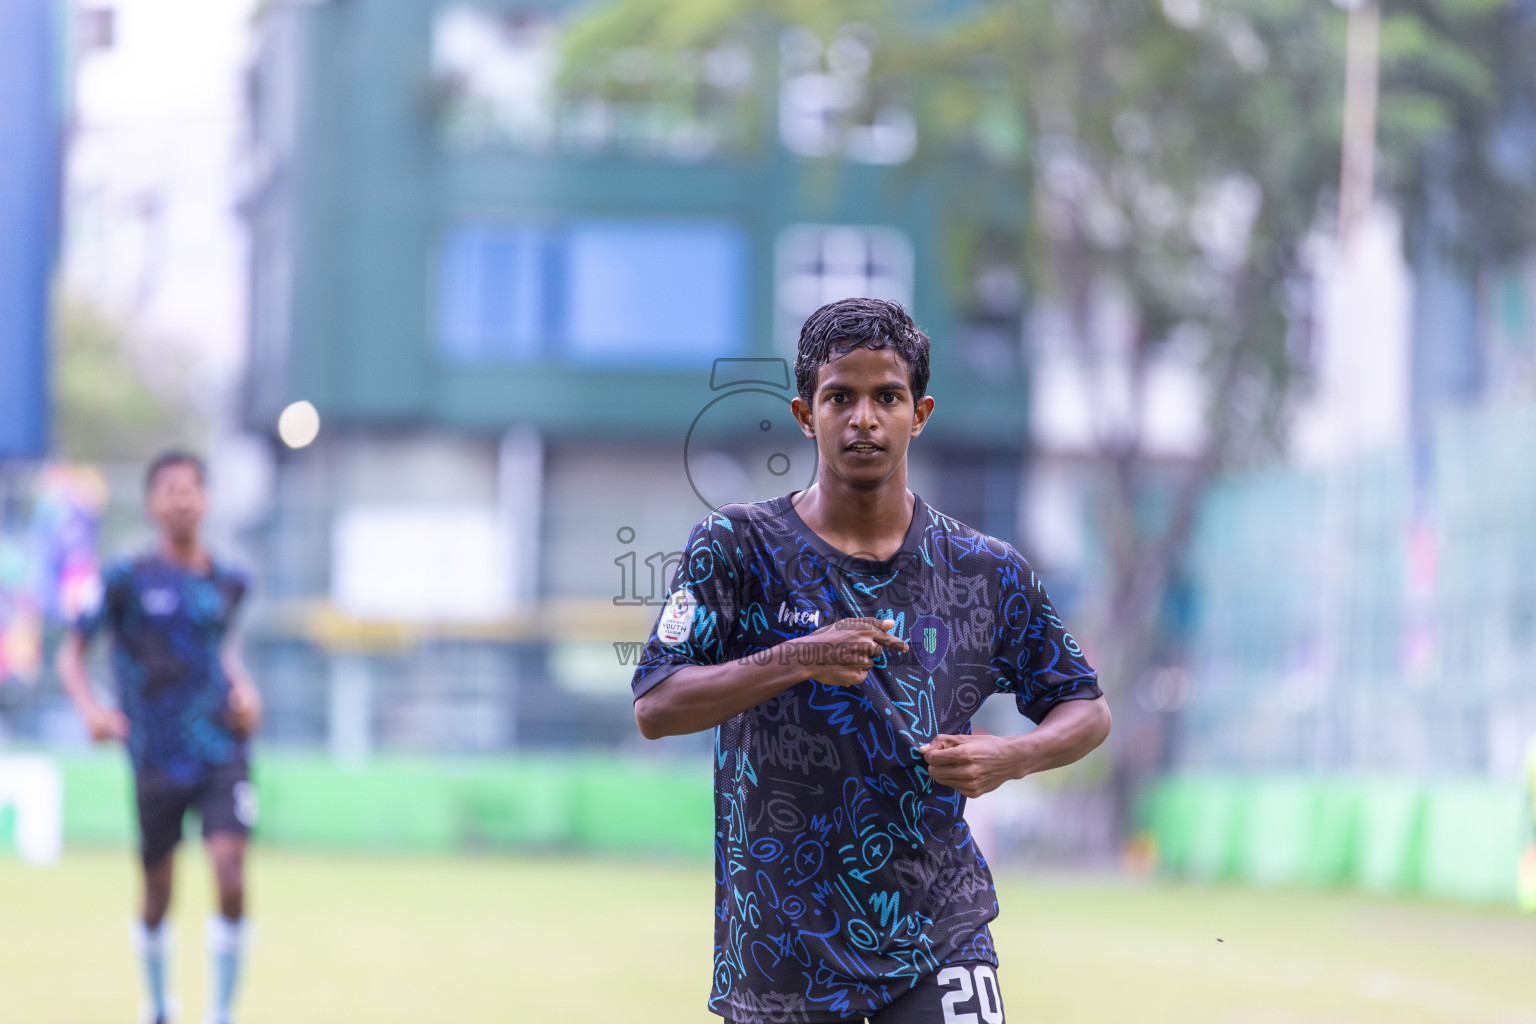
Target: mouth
{"type": "Point", "coordinates": [863, 448]}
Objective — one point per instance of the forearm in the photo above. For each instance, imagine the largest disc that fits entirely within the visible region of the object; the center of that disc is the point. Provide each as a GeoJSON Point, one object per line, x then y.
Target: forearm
{"type": "Point", "coordinates": [699, 697]}
{"type": "Point", "coordinates": [73, 676]}
{"type": "Point", "coordinates": [235, 671]}
{"type": "Point", "coordinates": [1069, 732]}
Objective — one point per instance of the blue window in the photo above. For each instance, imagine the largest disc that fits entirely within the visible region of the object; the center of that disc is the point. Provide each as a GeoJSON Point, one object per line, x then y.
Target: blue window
{"type": "Point", "coordinates": [654, 293]}
{"type": "Point", "coordinates": [636, 292]}
{"type": "Point", "coordinates": [493, 295]}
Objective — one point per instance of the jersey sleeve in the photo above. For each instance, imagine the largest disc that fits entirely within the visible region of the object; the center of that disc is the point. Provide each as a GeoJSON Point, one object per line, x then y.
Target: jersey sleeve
{"type": "Point", "coordinates": [697, 621]}
{"type": "Point", "coordinates": [116, 583]}
{"type": "Point", "coordinates": [235, 586]}
{"type": "Point", "coordinates": [1036, 659]}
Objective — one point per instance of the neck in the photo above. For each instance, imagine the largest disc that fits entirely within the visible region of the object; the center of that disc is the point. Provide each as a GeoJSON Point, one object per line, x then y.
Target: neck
{"type": "Point", "coordinates": [186, 551]}
{"type": "Point", "coordinates": [866, 517]}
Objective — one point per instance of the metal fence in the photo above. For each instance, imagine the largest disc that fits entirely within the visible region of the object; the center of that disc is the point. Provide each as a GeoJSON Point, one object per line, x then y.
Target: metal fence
{"type": "Point", "coordinates": [1357, 618]}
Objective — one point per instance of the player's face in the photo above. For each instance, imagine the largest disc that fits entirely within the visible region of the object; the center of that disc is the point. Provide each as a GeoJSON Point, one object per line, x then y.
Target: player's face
{"type": "Point", "coordinates": [177, 500]}
{"type": "Point", "coordinates": [863, 415]}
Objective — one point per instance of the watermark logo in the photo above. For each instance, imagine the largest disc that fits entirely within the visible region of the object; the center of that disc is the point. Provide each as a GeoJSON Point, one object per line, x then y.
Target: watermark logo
{"type": "Point", "coordinates": [660, 566]}
{"type": "Point", "coordinates": [745, 444]}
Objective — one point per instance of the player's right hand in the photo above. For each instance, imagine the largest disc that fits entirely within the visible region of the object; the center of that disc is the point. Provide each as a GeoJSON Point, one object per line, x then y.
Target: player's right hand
{"type": "Point", "coordinates": [106, 724]}
{"type": "Point", "coordinates": [244, 709]}
{"type": "Point", "coordinates": [841, 653]}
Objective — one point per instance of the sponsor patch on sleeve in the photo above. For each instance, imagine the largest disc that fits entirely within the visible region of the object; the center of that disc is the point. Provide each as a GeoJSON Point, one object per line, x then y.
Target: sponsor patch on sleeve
{"type": "Point", "coordinates": [677, 617]}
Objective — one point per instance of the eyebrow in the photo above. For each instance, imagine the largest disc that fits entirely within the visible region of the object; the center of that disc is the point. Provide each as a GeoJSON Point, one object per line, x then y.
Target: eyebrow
{"type": "Point", "coordinates": [892, 384]}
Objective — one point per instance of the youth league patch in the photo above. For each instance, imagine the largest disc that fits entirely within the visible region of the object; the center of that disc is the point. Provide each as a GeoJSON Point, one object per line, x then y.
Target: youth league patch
{"type": "Point", "coordinates": [677, 617]}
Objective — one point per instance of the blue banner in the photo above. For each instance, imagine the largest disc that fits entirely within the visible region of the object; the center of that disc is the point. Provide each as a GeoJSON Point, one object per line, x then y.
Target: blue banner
{"type": "Point", "coordinates": [30, 170]}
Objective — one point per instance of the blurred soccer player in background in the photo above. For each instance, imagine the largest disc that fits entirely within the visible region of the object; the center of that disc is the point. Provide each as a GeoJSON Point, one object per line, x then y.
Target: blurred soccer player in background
{"type": "Point", "coordinates": [187, 708]}
{"type": "Point", "coordinates": [841, 638]}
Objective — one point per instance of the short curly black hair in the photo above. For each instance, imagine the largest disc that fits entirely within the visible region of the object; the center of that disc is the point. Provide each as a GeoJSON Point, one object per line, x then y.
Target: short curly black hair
{"type": "Point", "coordinates": [840, 327]}
{"type": "Point", "coordinates": [174, 457]}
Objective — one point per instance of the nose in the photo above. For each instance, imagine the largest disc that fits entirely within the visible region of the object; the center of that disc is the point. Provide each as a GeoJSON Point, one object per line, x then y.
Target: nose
{"type": "Point", "coordinates": [863, 414]}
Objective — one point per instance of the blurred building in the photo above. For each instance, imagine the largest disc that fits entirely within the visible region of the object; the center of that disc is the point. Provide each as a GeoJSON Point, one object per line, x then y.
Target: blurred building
{"type": "Point", "coordinates": [545, 301]}
{"type": "Point", "coordinates": [31, 143]}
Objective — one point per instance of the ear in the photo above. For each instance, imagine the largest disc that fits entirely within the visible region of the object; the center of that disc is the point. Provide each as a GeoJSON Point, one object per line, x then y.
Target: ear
{"type": "Point", "coordinates": [802, 413]}
{"type": "Point", "coordinates": [920, 413]}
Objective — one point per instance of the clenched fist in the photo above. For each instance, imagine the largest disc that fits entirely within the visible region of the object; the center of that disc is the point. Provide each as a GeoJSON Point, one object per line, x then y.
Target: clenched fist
{"type": "Point", "coordinates": [106, 723]}
{"type": "Point", "coordinates": [842, 653]}
{"type": "Point", "coordinates": [244, 709]}
{"type": "Point", "coordinates": [972, 764]}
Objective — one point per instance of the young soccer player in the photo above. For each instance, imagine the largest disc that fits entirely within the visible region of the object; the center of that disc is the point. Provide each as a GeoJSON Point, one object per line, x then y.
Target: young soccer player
{"type": "Point", "coordinates": [840, 639]}
{"type": "Point", "coordinates": [187, 708]}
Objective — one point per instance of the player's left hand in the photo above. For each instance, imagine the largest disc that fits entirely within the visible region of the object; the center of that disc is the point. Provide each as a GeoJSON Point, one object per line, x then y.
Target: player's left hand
{"type": "Point", "coordinates": [244, 709]}
{"type": "Point", "coordinates": [972, 764]}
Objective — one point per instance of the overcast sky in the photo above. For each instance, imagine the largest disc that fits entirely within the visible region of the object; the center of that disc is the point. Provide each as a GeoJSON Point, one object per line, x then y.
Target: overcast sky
{"type": "Point", "coordinates": [152, 232]}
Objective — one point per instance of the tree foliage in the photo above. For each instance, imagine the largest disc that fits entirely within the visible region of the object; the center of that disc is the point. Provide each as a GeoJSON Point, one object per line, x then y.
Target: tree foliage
{"type": "Point", "coordinates": [108, 404]}
{"type": "Point", "coordinates": [1177, 156]}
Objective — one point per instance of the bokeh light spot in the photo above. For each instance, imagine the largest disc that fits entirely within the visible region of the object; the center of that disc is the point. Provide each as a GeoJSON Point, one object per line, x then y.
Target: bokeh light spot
{"type": "Point", "coordinates": [299, 425]}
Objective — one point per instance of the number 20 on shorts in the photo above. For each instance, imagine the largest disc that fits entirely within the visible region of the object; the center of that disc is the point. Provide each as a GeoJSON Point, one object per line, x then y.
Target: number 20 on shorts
{"type": "Point", "coordinates": [989, 998]}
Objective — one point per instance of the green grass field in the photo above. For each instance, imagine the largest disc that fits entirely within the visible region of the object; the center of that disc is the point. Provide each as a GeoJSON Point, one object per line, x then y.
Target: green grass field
{"type": "Point", "coordinates": [380, 940]}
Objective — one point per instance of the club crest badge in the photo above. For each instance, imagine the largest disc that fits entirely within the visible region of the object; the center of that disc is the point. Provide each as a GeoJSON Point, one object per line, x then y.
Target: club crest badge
{"type": "Point", "coordinates": [930, 641]}
{"type": "Point", "coordinates": [676, 621]}
{"type": "Point", "coordinates": [159, 601]}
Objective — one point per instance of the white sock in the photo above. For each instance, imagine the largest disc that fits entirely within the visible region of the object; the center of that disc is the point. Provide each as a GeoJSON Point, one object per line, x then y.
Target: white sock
{"type": "Point", "coordinates": [226, 949]}
{"type": "Point", "coordinates": [154, 949]}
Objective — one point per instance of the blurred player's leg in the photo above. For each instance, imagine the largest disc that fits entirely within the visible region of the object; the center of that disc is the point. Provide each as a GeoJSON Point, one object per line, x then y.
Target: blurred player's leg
{"type": "Point", "coordinates": [152, 933]}
{"type": "Point", "coordinates": [227, 929]}
{"type": "Point", "coordinates": [226, 950]}
{"type": "Point", "coordinates": [154, 949]}
{"type": "Point", "coordinates": [161, 808]}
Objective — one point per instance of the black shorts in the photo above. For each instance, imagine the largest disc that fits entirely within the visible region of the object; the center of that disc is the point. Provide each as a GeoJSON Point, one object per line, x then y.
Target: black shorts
{"type": "Point", "coordinates": [963, 993]}
{"type": "Point", "coordinates": [224, 799]}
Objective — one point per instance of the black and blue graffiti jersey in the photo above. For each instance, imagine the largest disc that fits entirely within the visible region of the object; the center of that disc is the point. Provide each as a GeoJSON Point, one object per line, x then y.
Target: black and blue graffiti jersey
{"type": "Point", "coordinates": [843, 872]}
{"type": "Point", "coordinates": [168, 625]}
